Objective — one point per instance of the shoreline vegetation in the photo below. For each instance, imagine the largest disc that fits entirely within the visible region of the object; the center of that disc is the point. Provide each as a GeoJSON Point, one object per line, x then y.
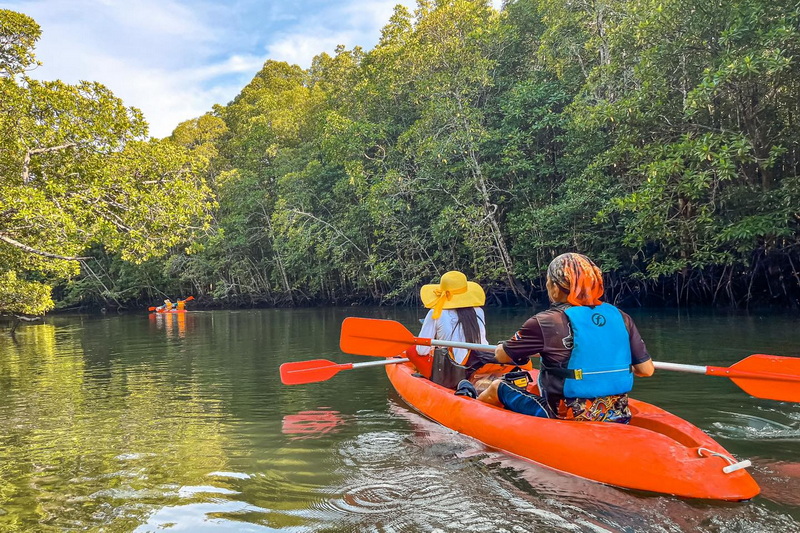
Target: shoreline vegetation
{"type": "Point", "coordinates": [660, 138]}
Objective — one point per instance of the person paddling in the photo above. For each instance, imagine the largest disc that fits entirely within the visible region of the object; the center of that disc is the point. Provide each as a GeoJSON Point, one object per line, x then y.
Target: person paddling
{"type": "Point", "coordinates": [456, 314]}
{"type": "Point", "coordinates": [589, 351]}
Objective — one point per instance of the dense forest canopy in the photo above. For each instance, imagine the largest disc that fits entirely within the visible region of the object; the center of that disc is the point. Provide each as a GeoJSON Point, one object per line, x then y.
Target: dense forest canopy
{"type": "Point", "coordinates": [658, 137]}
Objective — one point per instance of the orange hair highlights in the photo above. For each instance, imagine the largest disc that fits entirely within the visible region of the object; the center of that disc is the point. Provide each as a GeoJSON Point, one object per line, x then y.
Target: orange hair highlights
{"type": "Point", "coordinates": [579, 277]}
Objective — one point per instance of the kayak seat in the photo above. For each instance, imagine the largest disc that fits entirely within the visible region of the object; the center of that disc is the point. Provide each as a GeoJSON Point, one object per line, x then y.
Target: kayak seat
{"type": "Point", "coordinates": [662, 424]}
{"type": "Point", "coordinates": [445, 371]}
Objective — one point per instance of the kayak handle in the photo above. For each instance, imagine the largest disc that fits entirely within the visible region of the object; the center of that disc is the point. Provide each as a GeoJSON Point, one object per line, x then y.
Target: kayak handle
{"type": "Point", "coordinates": [737, 466]}
{"type": "Point", "coordinates": [733, 466]}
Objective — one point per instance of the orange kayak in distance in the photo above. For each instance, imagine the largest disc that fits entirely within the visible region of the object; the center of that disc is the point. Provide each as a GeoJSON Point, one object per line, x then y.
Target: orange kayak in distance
{"type": "Point", "coordinates": [657, 452]}
{"type": "Point", "coordinates": [170, 311]}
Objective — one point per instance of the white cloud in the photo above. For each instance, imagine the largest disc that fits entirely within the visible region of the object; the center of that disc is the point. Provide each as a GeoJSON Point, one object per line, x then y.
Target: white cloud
{"type": "Point", "coordinates": [175, 59]}
{"type": "Point", "coordinates": [159, 56]}
{"type": "Point", "coordinates": [234, 64]}
{"type": "Point", "coordinates": [354, 23]}
{"type": "Point", "coordinates": [300, 48]}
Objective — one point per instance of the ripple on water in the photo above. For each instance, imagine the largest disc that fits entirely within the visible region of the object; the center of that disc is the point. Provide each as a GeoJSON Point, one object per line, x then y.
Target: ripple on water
{"type": "Point", "coordinates": [207, 517]}
{"type": "Point", "coordinates": [232, 475]}
{"type": "Point", "coordinates": [191, 491]}
{"type": "Point", "coordinates": [750, 427]}
{"type": "Point", "coordinates": [391, 485]}
{"type": "Point", "coordinates": [433, 479]}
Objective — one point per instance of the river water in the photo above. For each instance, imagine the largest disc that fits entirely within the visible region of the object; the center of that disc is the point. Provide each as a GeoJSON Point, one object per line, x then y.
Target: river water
{"type": "Point", "coordinates": [137, 423]}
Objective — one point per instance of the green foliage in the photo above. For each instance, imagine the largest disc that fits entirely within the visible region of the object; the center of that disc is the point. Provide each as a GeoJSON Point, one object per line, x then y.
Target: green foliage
{"type": "Point", "coordinates": [24, 297]}
{"type": "Point", "coordinates": [76, 171]}
{"type": "Point", "coordinates": [18, 35]}
{"type": "Point", "coordinates": [659, 137]}
{"type": "Point", "coordinates": [654, 136]}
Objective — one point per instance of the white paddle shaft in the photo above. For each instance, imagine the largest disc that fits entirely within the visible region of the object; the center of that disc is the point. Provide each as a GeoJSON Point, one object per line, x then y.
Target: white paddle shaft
{"type": "Point", "coordinates": [383, 362]}
{"type": "Point", "coordinates": [676, 367]}
{"type": "Point", "coordinates": [467, 345]}
{"type": "Point", "coordinates": [692, 369]}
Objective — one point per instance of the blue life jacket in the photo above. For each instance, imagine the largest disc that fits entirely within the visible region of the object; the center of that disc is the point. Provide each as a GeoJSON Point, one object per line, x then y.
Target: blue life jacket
{"type": "Point", "coordinates": [601, 353]}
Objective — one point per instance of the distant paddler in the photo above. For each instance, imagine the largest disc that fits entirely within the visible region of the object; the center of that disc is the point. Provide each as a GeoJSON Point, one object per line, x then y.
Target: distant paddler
{"type": "Point", "coordinates": [180, 305]}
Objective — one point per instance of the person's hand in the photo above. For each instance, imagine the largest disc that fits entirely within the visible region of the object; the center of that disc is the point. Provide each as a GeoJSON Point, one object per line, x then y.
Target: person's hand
{"type": "Point", "coordinates": [500, 355]}
{"type": "Point", "coordinates": [644, 370]}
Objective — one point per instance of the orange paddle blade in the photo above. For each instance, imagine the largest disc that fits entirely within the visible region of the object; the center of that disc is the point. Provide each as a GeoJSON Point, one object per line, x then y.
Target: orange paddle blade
{"type": "Point", "coordinates": [765, 376]}
{"type": "Point", "coordinates": [322, 369]}
{"type": "Point", "coordinates": [372, 336]}
{"type": "Point", "coordinates": [310, 371]}
{"type": "Point", "coordinates": [189, 299]}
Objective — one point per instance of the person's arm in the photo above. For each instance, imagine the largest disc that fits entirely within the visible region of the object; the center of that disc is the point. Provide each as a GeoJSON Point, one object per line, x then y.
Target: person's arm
{"type": "Point", "coordinates": [641, 362]}
{"type": "Point", "coordinates": [428, 331]}
{"type": "Point", "coordinates": [526, 343]}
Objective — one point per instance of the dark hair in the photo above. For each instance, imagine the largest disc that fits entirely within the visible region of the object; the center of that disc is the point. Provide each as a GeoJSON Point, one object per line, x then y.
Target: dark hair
{"type": "Point", "coordinates": [468, 319]}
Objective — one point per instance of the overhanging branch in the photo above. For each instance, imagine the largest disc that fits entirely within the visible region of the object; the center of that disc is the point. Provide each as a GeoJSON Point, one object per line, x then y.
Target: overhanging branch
{"type": "Point", "coordinates": [8, 240]}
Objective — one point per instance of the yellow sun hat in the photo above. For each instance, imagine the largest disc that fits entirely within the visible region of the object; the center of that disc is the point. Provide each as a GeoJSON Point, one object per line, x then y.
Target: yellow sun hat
{"type": "Point", "coordinates": [453, 292]}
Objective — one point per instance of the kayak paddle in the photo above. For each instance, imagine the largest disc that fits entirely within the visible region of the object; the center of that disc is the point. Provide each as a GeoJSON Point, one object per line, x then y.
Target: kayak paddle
{"type": "Point", "coordinates": [386, 338]}
{"type": "Point", "coordinates": [771, 377]}
{"type": "Point", "coordinates": [321, 370]}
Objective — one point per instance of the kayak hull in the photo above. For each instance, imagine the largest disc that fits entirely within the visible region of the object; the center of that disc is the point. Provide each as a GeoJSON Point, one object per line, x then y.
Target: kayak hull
{"type": "Point", "coordinates": [170, 311]}
{"type": "Point", "coordinates": [656, 452]}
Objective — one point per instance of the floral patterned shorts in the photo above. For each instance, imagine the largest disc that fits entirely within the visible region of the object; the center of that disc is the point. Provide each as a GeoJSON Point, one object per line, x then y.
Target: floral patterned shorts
{"type": "Point", "coordinates": [604, 409]}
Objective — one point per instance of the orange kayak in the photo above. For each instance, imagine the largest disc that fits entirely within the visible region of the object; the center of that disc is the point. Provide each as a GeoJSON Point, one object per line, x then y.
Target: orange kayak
{"type": "Point", "coordinates": [170, 311]}
{"type": "Point", "coordinates": [657, 451]}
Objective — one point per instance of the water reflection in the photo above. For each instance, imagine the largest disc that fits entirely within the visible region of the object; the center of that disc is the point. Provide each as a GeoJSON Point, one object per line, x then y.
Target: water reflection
{"type": "Point", "coordinates": [174, 324]}
{"type": "Point", "coordinates": [779, 481]}
{"type": "Point", "coordinates": [78, 438]}
{"type": "Point", "coordinates": [157, 423]}
{"type": "Point", "coordinates": [223, 515]}
{"type": "Point", "coordinates": [311, 424]}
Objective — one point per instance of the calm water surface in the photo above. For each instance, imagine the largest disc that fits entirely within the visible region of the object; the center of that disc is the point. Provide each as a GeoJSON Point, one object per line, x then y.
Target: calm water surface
{"type": "Point", "coordinates": [143, 423]}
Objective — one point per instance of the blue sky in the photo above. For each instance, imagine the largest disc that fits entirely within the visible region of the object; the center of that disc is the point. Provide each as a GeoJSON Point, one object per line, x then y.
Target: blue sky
{"type": "Point", "coordinates": [174, 59]}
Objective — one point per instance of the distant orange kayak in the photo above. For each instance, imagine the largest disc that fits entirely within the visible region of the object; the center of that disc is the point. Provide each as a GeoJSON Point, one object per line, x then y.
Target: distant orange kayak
{"type": "Point", "coordinates": [170, 311]}
{"type": "Point", "coordinates": [657, 451]}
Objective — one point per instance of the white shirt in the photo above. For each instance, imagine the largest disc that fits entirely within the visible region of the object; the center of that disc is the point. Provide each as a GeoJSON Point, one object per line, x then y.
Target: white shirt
{"type": "Point", "coordinates": [447, 328]}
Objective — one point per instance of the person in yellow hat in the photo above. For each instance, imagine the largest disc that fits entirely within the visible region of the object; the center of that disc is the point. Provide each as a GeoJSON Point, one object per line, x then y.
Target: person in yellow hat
{"type": "Point", "coordinates": [456, 314]}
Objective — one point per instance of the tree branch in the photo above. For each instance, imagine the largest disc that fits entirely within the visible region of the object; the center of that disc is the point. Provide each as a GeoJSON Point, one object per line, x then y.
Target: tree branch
{"type": "Point", "coordinates": [25, 247]}
{"type": "Point", "coordinates": [26, 173]}
{"type": "Point", "coordinates": [331, 226]}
